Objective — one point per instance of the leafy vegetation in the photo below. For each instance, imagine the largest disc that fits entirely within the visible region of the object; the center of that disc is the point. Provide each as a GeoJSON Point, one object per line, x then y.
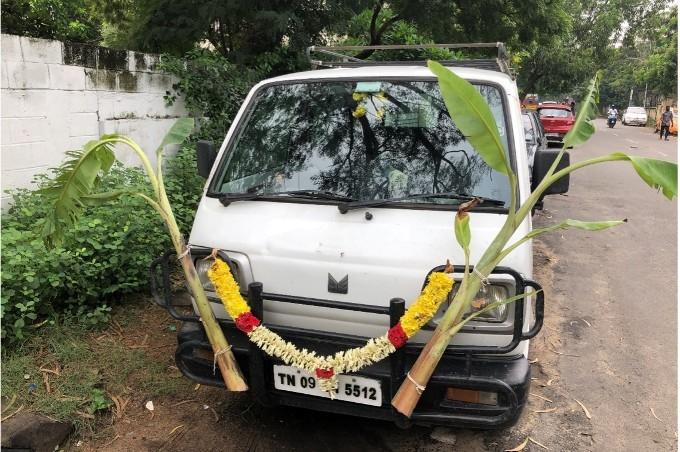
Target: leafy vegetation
{"type": "Point", "coordinates": [75, 185]}
{"type": "Point", "coordinates": [103, 257]}
{"type": "Point", "coordinates": [555, 44]}
{"type": "Point", "coordinates": [211, 87]}
{"type": "Point", "coordinates": [65, 20]}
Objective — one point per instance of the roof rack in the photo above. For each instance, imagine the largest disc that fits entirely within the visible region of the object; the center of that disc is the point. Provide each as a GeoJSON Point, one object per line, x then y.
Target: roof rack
{"type": "Point", "coordinates": [499, 63]}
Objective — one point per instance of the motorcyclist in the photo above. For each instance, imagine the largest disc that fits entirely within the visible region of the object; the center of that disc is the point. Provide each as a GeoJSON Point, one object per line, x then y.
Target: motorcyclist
{"type": "Point", "coordinates": [612, 114]}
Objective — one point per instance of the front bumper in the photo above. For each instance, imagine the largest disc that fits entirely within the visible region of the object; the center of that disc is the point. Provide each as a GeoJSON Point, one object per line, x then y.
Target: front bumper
{"type": "Point", "coordinates": [479, 368]}
{"type": "Point", "coordinates": [557, 137]}
{"type": "Point", "coordinates": [509, 377]}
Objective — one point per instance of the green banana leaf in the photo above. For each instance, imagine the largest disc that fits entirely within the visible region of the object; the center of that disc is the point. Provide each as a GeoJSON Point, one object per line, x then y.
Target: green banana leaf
{"type": "Point", "coordinates": [78, 177]}
{"type": "Point", "coordinates": [473, 117]}
{"type": "Point", "coordinates": [179, 132]}
{"type": "Point", "coordinates": [659, 174]}
{"type": "Point", "coordinates": [576, 224]}
{"type": "Point", "coordinates": [583, 127]}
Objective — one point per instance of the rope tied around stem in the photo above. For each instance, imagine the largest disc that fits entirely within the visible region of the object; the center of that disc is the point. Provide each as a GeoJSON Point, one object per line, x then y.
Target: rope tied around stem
{"type": "Point", "coordinates": [218, 353]}
{"type": "Point", "coordinates": [419, 388]}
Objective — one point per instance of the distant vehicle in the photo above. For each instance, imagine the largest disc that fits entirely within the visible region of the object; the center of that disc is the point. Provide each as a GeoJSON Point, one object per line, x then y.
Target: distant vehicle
{"type": "Point", "coordinates": [530, 102]}
{"type": "Point", "coordinates": [534, 135]}
{"type": "Point", "coordinates": [557, 120]}
{"type": "Point", "coordinates": [673, 130]}
{"type": "Point", "coordinates": [634, 116]}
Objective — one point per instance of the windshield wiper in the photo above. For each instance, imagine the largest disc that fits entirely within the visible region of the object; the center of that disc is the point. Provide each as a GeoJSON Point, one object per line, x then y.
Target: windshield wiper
{"type": "Point", "coordinates": [228, 198]}
{"type": "Point", "coordinates": [347, 206]}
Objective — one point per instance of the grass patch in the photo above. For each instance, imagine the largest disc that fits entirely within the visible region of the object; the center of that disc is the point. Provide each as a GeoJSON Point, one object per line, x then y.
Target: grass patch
{"type": "Point", "coordinates": [72, 374]}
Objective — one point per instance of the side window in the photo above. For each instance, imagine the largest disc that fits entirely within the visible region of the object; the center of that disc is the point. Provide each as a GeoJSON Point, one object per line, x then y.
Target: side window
{"type": "Point", "coordinates": [529, 135]}
{"type": "Point", "coordinates": [539, 126]}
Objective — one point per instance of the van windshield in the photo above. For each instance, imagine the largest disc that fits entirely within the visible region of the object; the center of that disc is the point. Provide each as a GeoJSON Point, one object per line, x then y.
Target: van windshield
{"type": "Point", "coordinates": [366, 140]}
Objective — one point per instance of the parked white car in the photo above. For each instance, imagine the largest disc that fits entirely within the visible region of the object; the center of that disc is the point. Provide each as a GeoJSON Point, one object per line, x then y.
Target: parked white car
{"type": "Point", "coordinates": [336, 189]}
{"type": "Point", "coordinates": [634, 116]}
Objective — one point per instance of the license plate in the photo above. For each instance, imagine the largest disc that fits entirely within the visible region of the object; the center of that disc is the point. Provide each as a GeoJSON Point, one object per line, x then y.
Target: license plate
{"type": "Point", "coordinates": [350, 387]}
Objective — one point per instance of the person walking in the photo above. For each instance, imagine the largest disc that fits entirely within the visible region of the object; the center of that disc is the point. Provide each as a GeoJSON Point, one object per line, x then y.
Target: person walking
{"type": "Point", "coordinates": [666, 122]}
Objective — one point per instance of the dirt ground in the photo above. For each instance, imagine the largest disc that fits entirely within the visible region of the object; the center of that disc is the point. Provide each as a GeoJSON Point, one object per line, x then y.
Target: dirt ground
{"type": "Point", "coordinates": [202, 418]}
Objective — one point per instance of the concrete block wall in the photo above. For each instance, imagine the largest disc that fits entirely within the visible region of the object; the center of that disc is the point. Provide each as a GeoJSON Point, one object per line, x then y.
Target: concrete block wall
{"type": "Point", "coordinates": [56, 96]}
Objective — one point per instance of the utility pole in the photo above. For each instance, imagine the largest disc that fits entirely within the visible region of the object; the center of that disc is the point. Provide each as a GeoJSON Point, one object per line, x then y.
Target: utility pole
{"type": "Point", "coordinates": [644, 101]}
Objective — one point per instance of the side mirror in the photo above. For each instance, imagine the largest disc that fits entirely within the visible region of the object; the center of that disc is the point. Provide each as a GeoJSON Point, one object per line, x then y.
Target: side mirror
{"type": "Point", "coordinates": [205, 157]}
{"type": "Point", "coordinates": [543, 160]}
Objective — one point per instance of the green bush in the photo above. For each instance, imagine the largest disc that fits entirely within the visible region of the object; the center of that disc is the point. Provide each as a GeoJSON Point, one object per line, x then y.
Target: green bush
{"type": "Point", "coordinates": [106, 255]}
{"type": "Point", "coordinates": [212, 88]}
{"type": "Point", "coordinates": [184, 186]}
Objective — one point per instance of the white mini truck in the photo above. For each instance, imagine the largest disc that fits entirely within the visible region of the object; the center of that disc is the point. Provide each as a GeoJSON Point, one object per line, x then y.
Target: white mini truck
{"type": "Point", "coordinates": [333, 197]}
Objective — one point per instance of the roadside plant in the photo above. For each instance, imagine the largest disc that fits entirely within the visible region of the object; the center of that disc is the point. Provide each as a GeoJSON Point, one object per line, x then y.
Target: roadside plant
{"type": "Point", "coordinates": [104, 255]}
{"type": "Point", "coordinates": [74, 189]}
{"type": "Point", "coordinates": [474, 118]}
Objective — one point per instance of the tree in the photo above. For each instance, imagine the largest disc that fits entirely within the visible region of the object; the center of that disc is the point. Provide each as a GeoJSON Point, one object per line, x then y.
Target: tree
{"type": "Point", "coordinates": [238, 29]}
{"type": "Point", "coordinates": [65, 20]}
{"type": "Point", "coordinates": [595, 35]}
{"type": "Point", "coordinates": [660, 69]}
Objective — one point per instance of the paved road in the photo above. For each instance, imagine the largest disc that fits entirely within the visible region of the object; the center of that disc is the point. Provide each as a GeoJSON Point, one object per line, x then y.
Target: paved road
{"type": "Point", "coordinates": [615, 293]}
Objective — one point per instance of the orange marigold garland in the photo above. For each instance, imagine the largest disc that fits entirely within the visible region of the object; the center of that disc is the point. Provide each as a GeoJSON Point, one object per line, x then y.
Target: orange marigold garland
{"type": "Point", "coordinates": [327, 368]}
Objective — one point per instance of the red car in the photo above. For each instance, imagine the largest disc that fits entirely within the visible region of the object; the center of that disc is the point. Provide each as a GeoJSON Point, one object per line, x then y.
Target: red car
{"type": "Point", "coordinates": [557, 120]}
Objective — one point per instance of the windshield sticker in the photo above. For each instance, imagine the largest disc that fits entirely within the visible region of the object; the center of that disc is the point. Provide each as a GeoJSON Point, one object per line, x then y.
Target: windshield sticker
{"type": "Point", "coordinates": [421, 116]}
{"type": "Point", "coordinates": [368, 87]}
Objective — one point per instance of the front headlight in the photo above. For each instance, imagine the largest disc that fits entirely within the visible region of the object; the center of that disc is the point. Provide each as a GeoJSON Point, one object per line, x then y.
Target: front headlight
{"type": "Point", "coordinates": [202, 267]}
{"type": "Point", "coordinates": [487, 295]}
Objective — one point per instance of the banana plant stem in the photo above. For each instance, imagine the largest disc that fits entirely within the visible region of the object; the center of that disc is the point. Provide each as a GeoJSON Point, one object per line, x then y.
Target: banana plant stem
{"type": "Point", "coordinates": [224, 357]}
{"type": "Point", "coordinates": [408, 394]}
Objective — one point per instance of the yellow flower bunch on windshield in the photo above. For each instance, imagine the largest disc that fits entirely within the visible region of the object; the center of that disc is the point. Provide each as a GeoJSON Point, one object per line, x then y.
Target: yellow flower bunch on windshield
{"type": "Point", "coordinates": [363, 98]}
{"type": "Point", "coordinates": [359, 112]}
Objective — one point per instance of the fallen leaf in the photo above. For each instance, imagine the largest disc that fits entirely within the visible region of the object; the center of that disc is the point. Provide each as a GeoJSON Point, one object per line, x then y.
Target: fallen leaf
{"type": "Point", "coordinates": [585, 410]}
{"type": "Point", "coordinates": [183, 402]}
{"type": "Point", "coordinates": [519, 447]}
{"type": "Point", "coordinates": [175, 429]}
{"type": "Point", "coordinates": [10, 403]}
{"type": "Point", "coordinates": [85, 415]}
{"type": "Point", "coordinates": [552, 349]}
{"type": "Point", "coordinates": [217, 417]}
{"type": "Point", "coordinates": [537, 443]}
{"type": "Point", "coordinates": [547, 410]}
{"type": "Point", "coordinates": [46, 381]}
{"type": "Point", "coordinates": [655, 416]}
{"type": "Point", "coordinates": [10, 415]}
{"type": "Point", "coordinates": [541, 397]}
{"type": "Point", "coordinates": [149, 405]}
{"type": "Point", "coordinates": [550, 381]}
{"type": "Point", "coordinates": [110, 442]}
{"type": "Point", "coordinates": [533, 361]}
